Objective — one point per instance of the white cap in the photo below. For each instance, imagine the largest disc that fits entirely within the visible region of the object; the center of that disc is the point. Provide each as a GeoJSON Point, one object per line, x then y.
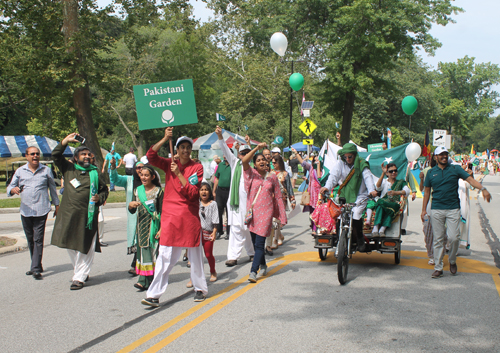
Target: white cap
{"type": "Point", "coordinates": [215, 157]}
{"type": "Point", "coordinates": [244, 148]}
{"type": "Point", "coordinates": [182, 139]}
{"type": "Point", "coordinates": [440, 150]}
{"type": "Point", "coordinates": [276, 150]}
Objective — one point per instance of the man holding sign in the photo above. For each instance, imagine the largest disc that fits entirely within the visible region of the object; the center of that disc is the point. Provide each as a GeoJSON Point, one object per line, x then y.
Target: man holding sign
{"type": "Point", "coordinates": [180, 221]}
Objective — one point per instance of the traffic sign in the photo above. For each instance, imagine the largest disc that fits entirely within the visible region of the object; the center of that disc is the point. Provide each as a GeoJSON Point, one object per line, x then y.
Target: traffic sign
{"type": "Point", "coordinates": [307, 141]}
{"type": "Point", "coordinates": [439, 138]}
{"type": "Point", "coordinates": [307, 127]}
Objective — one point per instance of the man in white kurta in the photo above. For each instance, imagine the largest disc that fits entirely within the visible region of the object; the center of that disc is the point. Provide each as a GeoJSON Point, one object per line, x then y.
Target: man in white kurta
{"type": "Point", "coordinates": [338, 174]}
{"type": "Point", "coordinates": [239, 235]}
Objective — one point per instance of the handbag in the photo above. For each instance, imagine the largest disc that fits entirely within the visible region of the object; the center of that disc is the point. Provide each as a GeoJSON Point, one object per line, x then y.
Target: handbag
{"type": "Point", "coordinates": [305, 199]}
{"type": "Point", "coordinates": [249, 214]}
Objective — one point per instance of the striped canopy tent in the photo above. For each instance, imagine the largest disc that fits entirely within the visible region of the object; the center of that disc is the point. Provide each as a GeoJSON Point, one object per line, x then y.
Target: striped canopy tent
{"type": "Point", "coordinates": [15, 146]}
{"type": "Point", "coordinates": [210, 141]}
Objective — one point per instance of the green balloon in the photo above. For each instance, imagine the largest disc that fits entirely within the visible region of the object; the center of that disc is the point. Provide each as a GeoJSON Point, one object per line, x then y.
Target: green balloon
{"type": "Point", "coordinates": [296, 81]}
{"type": "Point", "coordinates": [409, 105]}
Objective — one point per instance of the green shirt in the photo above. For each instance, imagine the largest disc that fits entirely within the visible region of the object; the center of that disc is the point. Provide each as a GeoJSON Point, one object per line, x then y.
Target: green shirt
{"type": "Point", "coordinates": [444, 184]}
{"type": "Point", "coordinates": [223, 173]}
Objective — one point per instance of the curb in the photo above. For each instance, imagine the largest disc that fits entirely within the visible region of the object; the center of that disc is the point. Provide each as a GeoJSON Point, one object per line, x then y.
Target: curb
{"type": "Point", "coordinates": [21, 244]}
{"type": "Point", "coordinates": [16, 209]}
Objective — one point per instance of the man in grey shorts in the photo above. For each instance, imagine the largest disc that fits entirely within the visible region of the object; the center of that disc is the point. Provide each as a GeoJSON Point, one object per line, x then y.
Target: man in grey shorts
{"type": "Point", "coordinates": [445, 207]}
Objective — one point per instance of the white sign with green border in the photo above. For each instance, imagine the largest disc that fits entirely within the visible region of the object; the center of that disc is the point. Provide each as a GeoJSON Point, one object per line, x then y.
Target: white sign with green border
{"type": "Point", "coordinates": [165, 104]}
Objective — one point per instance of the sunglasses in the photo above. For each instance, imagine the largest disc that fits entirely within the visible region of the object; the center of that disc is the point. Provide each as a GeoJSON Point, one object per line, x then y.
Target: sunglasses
{"type": "Point", "coordinates": [392, 171]}
{"type": "Point", "coordinates": [138, 167]}
{"type": "Point", "coordinates": [34, 153]}
{"type": "Point", "coordinates": [348, 157]}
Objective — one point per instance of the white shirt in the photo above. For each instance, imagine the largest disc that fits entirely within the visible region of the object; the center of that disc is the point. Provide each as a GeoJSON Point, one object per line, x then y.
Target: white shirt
{"type": "Point", "coordinates": [235, 218]}
{"type": "Point", "coordinates": [144, 160]}
{"type": "Point", "coordinates": [340, 172]}
{"type": "Point", "coordinates": [213, 165]}
{"type": "Point", "coordinates": [130, 160]}
{"type": "Point", "coordinates": [386, 186]}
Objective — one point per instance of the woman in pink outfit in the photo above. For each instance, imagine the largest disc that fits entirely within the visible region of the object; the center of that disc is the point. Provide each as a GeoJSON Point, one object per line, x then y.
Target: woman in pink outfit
{"type": "Point", "coordinates": [264, 197]}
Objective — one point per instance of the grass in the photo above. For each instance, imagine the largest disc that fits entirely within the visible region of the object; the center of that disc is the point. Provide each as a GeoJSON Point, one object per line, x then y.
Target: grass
{"type": "Point", "coordinates": [115, 196]}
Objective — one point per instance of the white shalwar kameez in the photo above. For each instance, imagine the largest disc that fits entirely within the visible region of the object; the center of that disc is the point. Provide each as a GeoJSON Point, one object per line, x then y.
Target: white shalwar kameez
{"type": "Point", "coordinates": [239, 235]}
{"type": "Point", "coordinates": [82, 262]}
{"type": "Point", "coordinates": [340, 173]}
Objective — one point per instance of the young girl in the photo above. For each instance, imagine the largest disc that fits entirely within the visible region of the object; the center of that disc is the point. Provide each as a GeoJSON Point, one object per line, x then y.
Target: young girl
{"type": "Point", "coordinates": [209, 217]}
{"type": "Point", "coordinates": [148, 208]}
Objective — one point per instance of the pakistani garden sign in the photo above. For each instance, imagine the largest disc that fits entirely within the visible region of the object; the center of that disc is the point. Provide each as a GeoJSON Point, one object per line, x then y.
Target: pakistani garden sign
{"type": "Point", "coordinates": [165, 104]}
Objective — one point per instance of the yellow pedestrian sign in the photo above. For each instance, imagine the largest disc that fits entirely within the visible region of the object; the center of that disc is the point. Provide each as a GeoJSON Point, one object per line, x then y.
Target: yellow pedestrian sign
{"type": "Point", "coordinates": [307, 141]}
{"type": "Point", "coordinates": [307, 127]}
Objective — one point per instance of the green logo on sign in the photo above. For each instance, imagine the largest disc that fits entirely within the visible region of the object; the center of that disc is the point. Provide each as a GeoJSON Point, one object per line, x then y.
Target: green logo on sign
{"type": "Point", "coordinates": [165, 104]}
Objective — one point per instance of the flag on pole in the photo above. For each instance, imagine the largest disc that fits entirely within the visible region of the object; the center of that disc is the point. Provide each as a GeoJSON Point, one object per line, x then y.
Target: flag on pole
{"type": "Point", "coordinates": [336, 125]}
{"type": "Point", "coordinates": [303, 100]}
{"type": "Point", "coordinates": [246, 127]}
{"type": "Point", "coordinates": [220, 117]}
{"type": "Point", "coordinates": [426, 152]}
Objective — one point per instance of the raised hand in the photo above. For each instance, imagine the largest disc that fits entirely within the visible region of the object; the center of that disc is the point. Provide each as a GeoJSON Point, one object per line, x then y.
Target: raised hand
{"type": "Point", "coordinates": [70, 138]}
{"type": "Point", "coordinates": [247, 139]}
{"type": "Point", "coordinates": [168, 133]}
{"type": "Point", "coordinates": [174, 168]}
{"type": "Point", "coordinates": [262, 145]}
{"type": "Point", "coordinates": [384, 168]}
{"type": "Point", "coordinates": [218, 131]}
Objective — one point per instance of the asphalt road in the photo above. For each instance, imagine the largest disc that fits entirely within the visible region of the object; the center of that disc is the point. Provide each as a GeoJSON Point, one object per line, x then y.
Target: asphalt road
{"type": "Point", "coordinates": [298, 307]}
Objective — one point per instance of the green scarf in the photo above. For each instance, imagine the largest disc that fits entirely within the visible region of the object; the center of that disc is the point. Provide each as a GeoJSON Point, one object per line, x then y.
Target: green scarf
{"type": "Point", "coordinates": [94, 186]}
{"type": "Point", "coordinates": [398, 185]}
{"type": "Point", "coordinates": [155, 222]}
{"type": "Point", "coordinates": [353, 181]}
{"type": "Point", "coordinates": [235, 187]}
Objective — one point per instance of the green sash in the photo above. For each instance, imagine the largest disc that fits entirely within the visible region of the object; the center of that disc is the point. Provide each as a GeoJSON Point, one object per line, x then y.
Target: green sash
{"type": "Point", "coordinates": [234, 200]}
{"type": "Point", "coordinates": [94, 186]}
{"type": "Point", "coordinates": [155, 222]}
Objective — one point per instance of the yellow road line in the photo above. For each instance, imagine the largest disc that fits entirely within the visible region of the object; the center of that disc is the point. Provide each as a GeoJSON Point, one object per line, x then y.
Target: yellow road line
{"type": "Point", "coordinates": [184, 315]}
{"type": "Point", "coordinates": [163, 343]}
{"type": "Point", "coordinates": [416, 259]}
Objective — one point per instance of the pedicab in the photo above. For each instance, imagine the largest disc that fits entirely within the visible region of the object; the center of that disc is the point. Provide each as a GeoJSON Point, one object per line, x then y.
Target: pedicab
{"type": "Point", "coordinates": [333, 220]}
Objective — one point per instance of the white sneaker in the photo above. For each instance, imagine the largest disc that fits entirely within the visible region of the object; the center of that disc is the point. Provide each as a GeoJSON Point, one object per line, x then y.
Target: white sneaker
{"type": "Point", "coordinates": [431, 262]}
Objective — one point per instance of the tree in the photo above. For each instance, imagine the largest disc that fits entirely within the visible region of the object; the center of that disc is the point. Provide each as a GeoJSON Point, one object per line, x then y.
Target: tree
{"type": "Point", "coordinates": [467, 95]}
{"type": "Point", "coordinates": [349, 40]}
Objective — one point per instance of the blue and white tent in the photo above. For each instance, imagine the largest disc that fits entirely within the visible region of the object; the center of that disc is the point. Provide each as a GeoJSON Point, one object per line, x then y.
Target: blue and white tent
{"type": "Point", "coordinates": [15, 146]}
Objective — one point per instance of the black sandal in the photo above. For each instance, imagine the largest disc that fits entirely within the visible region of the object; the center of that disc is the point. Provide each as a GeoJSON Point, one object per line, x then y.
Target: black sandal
{"type": "Point", "coordinates": [140, 287]}
{"type": "Point", "coordinates": [76, 285]}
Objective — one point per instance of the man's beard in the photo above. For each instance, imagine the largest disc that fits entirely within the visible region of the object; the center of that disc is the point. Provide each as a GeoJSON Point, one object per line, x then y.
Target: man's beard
{"type": "Point", "coordinates": [84, 164]}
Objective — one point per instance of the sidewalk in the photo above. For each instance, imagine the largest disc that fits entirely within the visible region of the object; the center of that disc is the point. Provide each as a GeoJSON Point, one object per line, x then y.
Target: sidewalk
{"type": "Point", "coordinates": [20, 237]}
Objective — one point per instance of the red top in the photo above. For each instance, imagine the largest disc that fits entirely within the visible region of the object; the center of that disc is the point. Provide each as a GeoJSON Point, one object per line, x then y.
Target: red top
{"type": "Point", "coordinates": [180, 220]}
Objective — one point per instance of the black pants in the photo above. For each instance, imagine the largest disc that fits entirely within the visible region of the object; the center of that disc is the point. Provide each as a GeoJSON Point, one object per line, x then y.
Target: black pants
{"type": "Point", "coordinates": [221, 197]}
{"type": "Point", "coordinates": [34, 228]}
{"type": "Point", "coordinates": [129, 171]}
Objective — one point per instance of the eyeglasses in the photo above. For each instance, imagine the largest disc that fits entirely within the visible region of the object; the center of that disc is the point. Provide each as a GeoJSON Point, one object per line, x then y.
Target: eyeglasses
{"type": "Point", "coordinates": [34, 153]}
{"type": "Point", "coordinates": [392, 171]}
{"type": "Point", "coordinates": [349, 157]}
{"type": "Point", "coordinates": [274, 162]}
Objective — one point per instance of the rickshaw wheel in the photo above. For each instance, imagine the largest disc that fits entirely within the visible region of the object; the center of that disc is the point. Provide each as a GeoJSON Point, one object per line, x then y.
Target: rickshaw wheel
{"type": "Point", "coordinates": [343, 257]}
{"type": "Point", "coordinates": [397, 255]}
{"type": "Point", "coordinates": [322, 254]}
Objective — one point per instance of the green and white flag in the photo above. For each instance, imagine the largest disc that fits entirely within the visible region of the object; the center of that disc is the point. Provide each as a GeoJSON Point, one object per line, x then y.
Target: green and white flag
{"type": "Point", "coordinates": [193, 179]}
{"type": "Point", "coordinates": [220, 117]}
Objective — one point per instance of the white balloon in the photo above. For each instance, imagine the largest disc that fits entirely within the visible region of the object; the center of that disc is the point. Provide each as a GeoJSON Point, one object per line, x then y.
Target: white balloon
{"type": "Point", "coordinates": [279, 43]}
{"type": "Point", "coordinates": [413, 151]}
